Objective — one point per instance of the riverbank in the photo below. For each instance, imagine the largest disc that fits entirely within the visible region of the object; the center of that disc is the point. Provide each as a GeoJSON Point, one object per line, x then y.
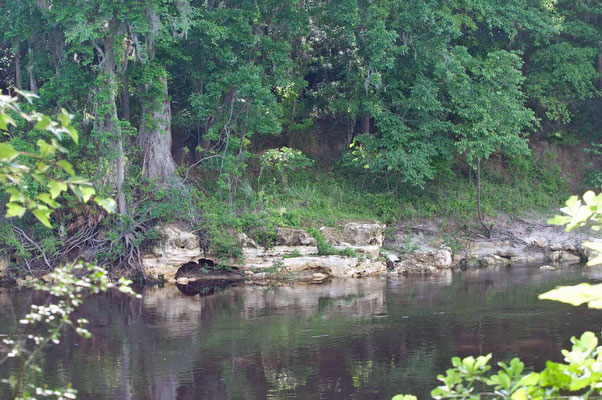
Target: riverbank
{"type": "Point", "coordinates": [361, 249]}
{"type": "Point", "coordinates": [357, 250]}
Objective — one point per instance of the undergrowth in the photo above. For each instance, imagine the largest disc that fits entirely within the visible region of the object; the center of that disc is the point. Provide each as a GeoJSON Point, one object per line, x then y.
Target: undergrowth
{"type": "Point", "coordinates": [309, 199]}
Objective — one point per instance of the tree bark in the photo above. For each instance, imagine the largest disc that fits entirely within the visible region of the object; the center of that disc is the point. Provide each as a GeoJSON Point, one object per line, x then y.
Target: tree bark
{"type": "Point", "coordinates": [488, 230]}
{"type": "Point", "coordinates": [155, 129]}
{"type": "Point", "coordinates": [17, 51]}
{"type": "Point", "coordinates": [125, 98]}
{"type": "Point", "coordinates": [33, 84]}
{"type": "Point", "coordinates": [108, 123]}
{"type": "Point", "coordinates": [125, 82]}
{"type": "Point", "coordinates": [365, 123]}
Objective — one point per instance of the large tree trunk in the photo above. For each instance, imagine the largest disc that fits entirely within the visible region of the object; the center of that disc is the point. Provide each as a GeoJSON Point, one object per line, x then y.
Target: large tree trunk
{"type": "Point", "coordinates": [487, 229]}
{"type": "Point", "coordinates": [17, 50]}
{"type": "Point", "coordinates": [156, 135]}
{"type": "Point", "coordinates": [365, 123]}
{"type": "Point", "coordinates": [33, 83]}
{"type": "Point", "coordinates": [108, 123]}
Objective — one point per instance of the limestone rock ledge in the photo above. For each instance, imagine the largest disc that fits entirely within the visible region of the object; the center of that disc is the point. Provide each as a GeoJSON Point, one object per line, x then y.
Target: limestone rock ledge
{"type": "Point", "coordinates": [335, 266]}
{"type": "Point", "coordinates": [175, 248]}
{"type": "Point", "coordinates": [4, 263]}
{"type": "Point", "coordinates": [421, 262]}
{"type": "Point", "coordinates": [294, 251]}
{"type": "Point", "coordinates": [362, 237]}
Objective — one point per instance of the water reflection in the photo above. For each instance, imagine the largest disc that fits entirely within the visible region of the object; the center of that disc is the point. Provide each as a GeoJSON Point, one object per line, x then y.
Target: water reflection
{"type": "Point", "coordinates": [360, 339]}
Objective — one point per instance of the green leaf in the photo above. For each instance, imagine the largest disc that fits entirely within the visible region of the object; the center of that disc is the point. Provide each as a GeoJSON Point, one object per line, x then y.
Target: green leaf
{"type": "Point", "coordinates": [45, 197]}
{"type": "Point", "coordinates": [86, 192]}
{"type": "Point", "coordinates": [7, 152]}
{"type": "Point", "coordinates": [42, 213]}
{"type": "Point", "coordinates": [43, 123]}
{"type": "Point", "coordinates": [15, 195]}
{"type": "Point", "coordinates": [46, 149]}
{"type": "Point", "coordinates": [107, 203]}
{"type": "Point", "coordinates": [15, 210]}
{"type": "Point", "coordinates": [73, 133]}
{"type": "Point", "coordinates": [66, 165]}
{"type": "Point", "coordinates": [576, 295]}
{"type": "Point", "coordinates": [56, 188]}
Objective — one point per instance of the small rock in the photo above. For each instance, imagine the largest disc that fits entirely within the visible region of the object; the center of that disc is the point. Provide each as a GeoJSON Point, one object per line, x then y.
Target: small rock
{"type": "Point", "coordinates": [470, 261]}
{"type": "Point", "coordinates": [564, 257]}
{"type": "Point", "coordinates": [4, 267]}
{"type": "Point", "coordinates": [248, 272]}
{"type": "Point", "coordinates": [390, 256]}
{"type": "Point", "coordinates": [547, 268]}
{"type": "Point", "coordinates": [495, 261]}
{"type": "Point", "coordinates": [293, 237]}
{"type": "Point", "coordinates": [182, 280]}
{"type": "Point", "coordinates": [442, 259]}
{"type": "Point", "coordinates": [587, 253]}
{"type": "Point", "coordinates": [319, 277]}
{"type": "Point", "coordinates": [539, 243]}
{"type": "Point", "coordinates": [246, 241]}
{"type": "Point", "coordinates": [506, 253]}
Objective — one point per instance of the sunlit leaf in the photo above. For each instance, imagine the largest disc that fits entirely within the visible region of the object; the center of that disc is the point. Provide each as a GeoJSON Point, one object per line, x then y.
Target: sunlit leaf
{"type": "Point", "coordinates": [107, 203]}
{"type": "Point", "coordinates": [56, 188]}
{"type": "Point", "coordinates": [86, 192]}
{"type": "Point", "coordinates": [45, 197]}
{"type": "Point", "coordinates": [66, 165]}
{"type": "Point", "coordinates": [15, 210]}
{"type": "Point", "coordinates": [7, 152]}
{"type": "Point", "coordinates": [43, 123]}
{"type": "Point", "coordinates": [43, 214]}
{"type": "Point", "coordinates": [576, 295]}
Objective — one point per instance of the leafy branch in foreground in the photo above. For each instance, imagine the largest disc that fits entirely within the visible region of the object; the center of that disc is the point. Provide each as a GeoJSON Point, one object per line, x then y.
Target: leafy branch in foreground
{"type": "Point", "coordinates": [580, 377]}
{"type": "Point", "coordinates": [579, 213]}
{"type": "Point", "coordinates": [68, 286]}
{"type": "Point", "coordinates": [46, 167]}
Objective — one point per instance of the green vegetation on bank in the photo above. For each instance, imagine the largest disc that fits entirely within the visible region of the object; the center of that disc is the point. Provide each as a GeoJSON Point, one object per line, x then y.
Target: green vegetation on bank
{"type": "Point", "coordinates": [248, 114]}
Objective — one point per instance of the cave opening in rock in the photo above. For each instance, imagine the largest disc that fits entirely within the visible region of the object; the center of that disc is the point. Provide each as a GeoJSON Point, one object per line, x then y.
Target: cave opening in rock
{"type": "Point", "coordinates": [203, 265]}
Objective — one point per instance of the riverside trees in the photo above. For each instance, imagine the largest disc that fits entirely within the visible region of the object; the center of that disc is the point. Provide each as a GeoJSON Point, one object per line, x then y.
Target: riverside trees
{"type": "Point", "coordinates": [413, 88]}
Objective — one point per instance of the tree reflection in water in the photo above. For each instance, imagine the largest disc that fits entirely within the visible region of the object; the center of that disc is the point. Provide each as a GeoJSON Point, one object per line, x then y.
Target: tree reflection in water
{"type": "Point", "coordinates": [361, 339]}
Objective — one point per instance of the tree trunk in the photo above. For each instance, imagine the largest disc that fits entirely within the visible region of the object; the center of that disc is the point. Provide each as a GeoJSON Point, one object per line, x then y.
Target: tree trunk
{"type": "Point", "coordinates": [17, 51]}
{"type": "Point", "coordinates": [33, 84]}
{"type": "Point", "coordinates": [600, 64]}
{"type": "Point", "coordinates": [479, 200]}
{"type": "Point", "coordinates": [125, 83]}
{"type": "Point", "coordinates": [156, 135]}
{"type": "Point", "coordinates": [108, 123]}
{"type": "Point", "coordinates": [365, 123]}
{"type": "Point", "coordinates": [125, 98]}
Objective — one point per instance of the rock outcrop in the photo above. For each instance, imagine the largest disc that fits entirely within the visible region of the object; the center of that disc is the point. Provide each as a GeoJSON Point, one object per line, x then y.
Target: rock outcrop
{"type": "Point", "coordinates": [335, 266]}
{"type": "Point", "coordinates": [423, 262]}
{"type": "Point", "coordinates": [564, 257]}
{"type": "Point", "coordinates": [587, 253]}
{"type": "Point", "coordinates": [4, 262]}
{"type": "Point", "coordinates": [294, 252]}
{"type": "Point", "coordinates": [288, 241]}
{"type": "Point", "coordinates": [175, 248]}
{"type": "Point", "coordinates": [362, 237]}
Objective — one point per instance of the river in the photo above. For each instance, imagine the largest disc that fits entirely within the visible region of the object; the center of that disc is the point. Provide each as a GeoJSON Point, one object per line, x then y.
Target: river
{"type": "Point", "coordinates": [345, 339]}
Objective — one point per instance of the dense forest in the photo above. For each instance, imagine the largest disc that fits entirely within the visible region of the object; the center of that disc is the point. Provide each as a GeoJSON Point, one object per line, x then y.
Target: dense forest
{"type": "Point", "coordinates": [234, 115]}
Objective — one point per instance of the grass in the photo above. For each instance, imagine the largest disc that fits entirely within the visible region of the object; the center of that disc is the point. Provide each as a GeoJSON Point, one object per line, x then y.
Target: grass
{"type": "Point", "coordinates": [312, 199]}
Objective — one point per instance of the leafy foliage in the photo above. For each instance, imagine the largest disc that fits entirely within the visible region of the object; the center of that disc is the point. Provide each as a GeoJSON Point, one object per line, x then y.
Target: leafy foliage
{"type": "Point", "coordinates": [47, 168]}
{"type": "Point", "coordinates": [43, 324]}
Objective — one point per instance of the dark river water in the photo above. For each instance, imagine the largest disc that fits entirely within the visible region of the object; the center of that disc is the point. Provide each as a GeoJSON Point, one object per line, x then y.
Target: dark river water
{"type": "Point", "coordinates": [348, 339]}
